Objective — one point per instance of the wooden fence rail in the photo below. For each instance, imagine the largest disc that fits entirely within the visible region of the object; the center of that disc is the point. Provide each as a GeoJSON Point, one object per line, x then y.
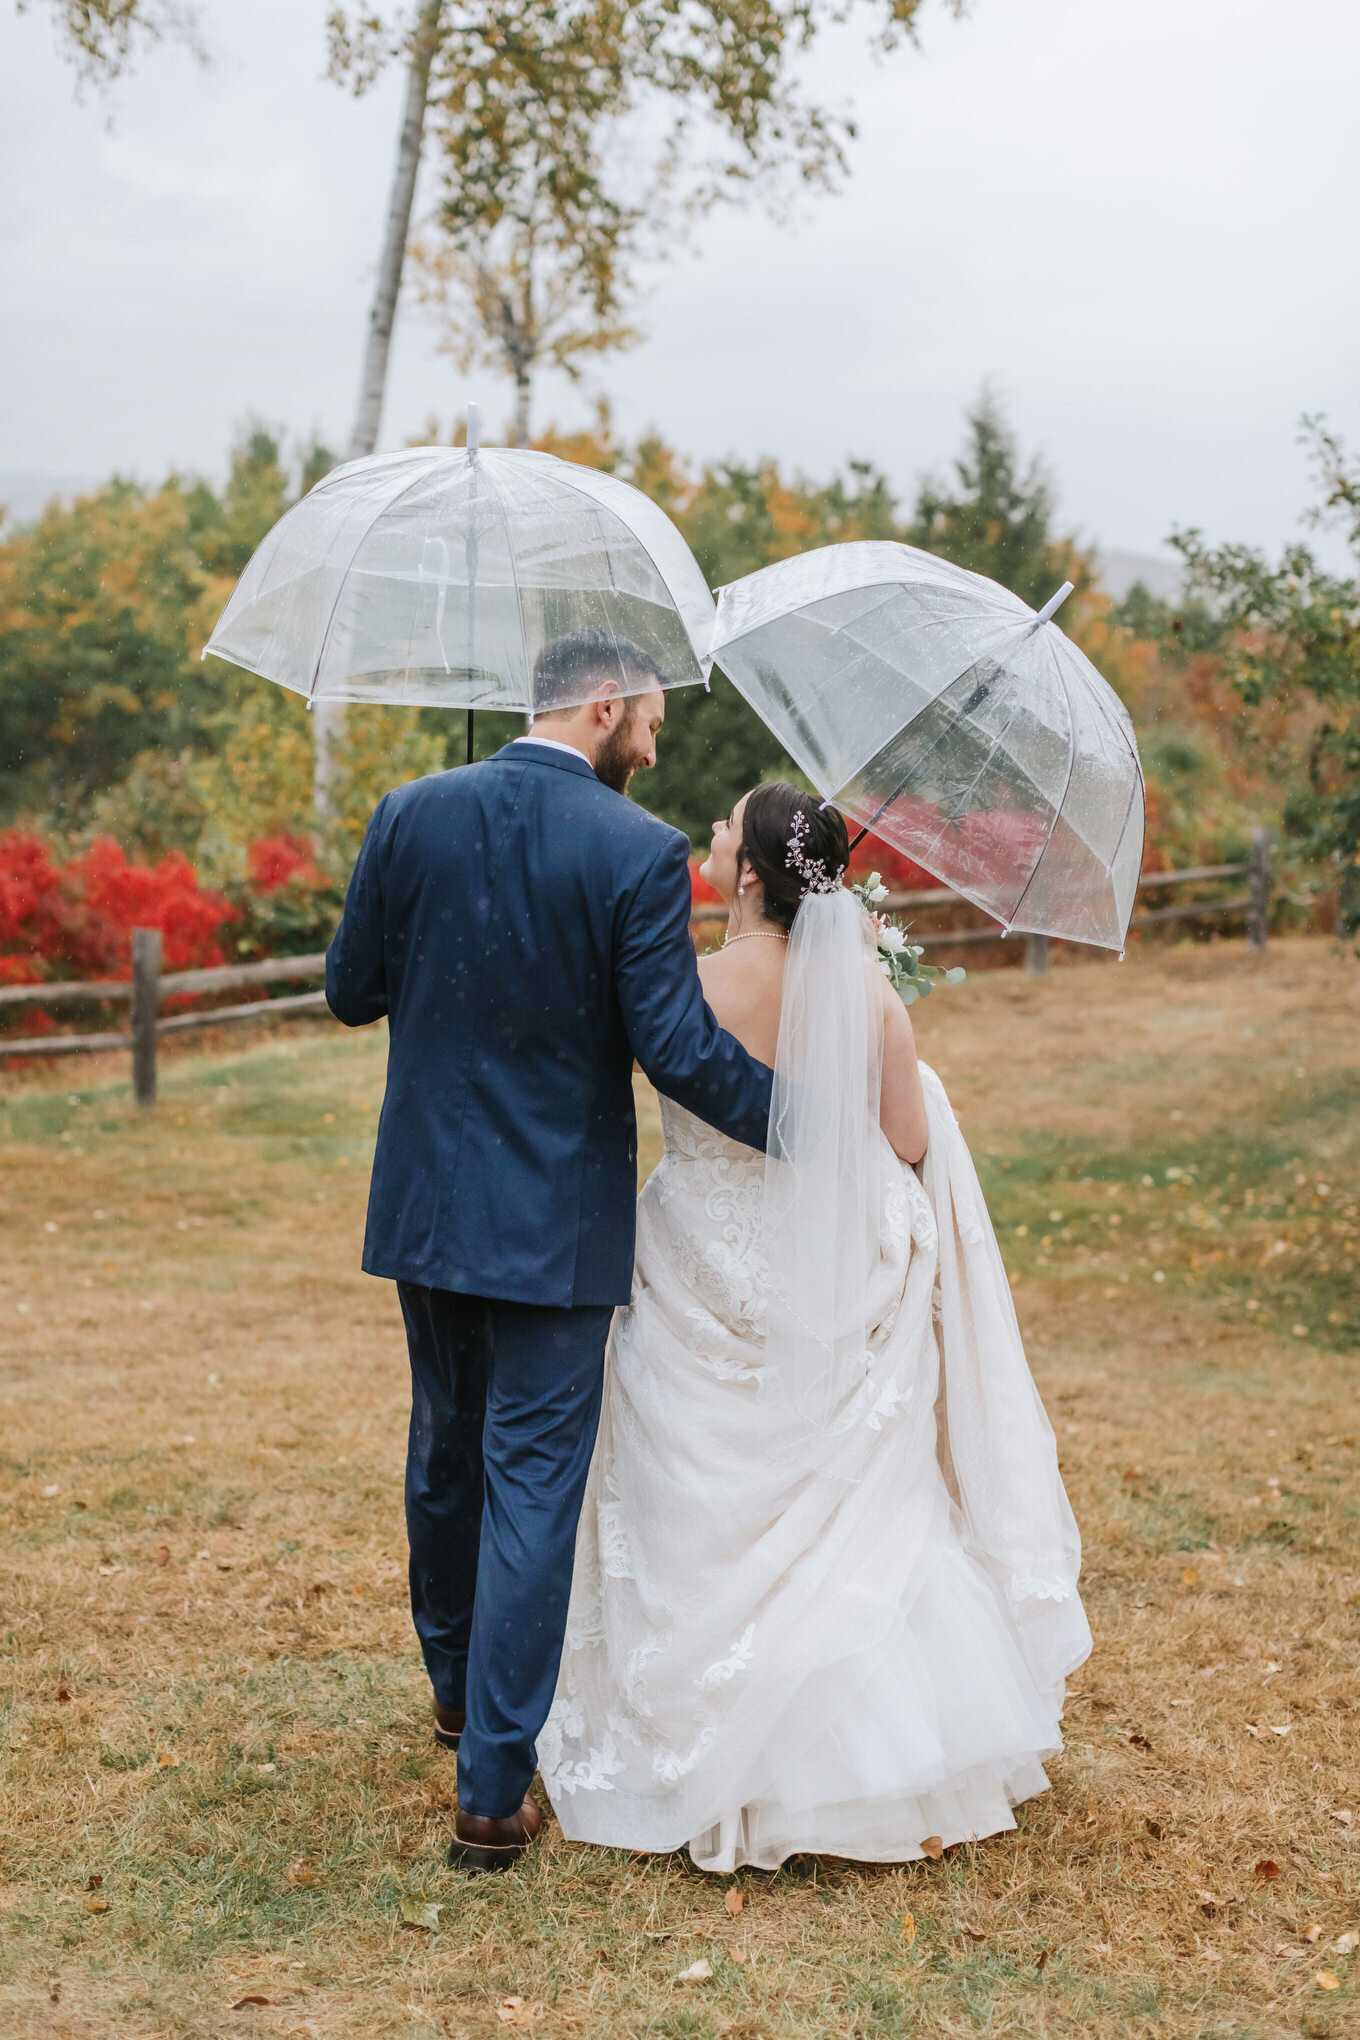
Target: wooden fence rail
{"type": "Point", "coordinates": [145, 990]}
{"type": "Point", "coordinates": [148, 985]}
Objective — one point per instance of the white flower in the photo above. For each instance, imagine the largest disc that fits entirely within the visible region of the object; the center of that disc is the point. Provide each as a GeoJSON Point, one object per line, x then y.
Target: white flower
{"type": "Point", "coordinates": [893, 940]}
{"type": "Point", "coordinates": [885, 967]}
{"type": "Point", "coordinates": [878, 892]}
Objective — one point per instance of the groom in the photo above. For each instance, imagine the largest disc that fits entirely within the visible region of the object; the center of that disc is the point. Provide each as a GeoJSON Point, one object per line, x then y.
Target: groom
{"type": "Point", "coordinates": [525, 929]}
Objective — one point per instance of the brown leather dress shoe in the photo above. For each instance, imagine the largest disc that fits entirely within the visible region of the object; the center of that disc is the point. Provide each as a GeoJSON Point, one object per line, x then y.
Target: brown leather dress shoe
{"type": "Point", "coordinates": [482, 1844]}
{"type": "Point", "coordinates": [449, 1723]}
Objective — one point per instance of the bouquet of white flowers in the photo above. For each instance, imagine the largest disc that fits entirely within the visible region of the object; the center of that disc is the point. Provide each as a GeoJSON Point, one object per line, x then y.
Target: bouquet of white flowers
{"type": "Point", "coordinates": [899, 959]}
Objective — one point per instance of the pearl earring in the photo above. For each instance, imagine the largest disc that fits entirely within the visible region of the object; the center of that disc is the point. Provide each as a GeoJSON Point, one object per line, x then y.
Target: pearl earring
{"type": "Point", "coordinates": [741, 888]}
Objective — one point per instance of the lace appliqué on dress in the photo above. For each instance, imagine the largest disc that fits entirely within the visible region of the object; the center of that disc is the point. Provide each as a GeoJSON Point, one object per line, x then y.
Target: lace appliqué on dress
{"type": "Point", "coordinates": [728, 1667]}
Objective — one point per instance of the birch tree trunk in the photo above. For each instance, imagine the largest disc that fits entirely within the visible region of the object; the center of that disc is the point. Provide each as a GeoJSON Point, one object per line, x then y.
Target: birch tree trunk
{"type": "Point", "coordinates": [328, 716]}
{"type": "Point", "coordinates": [523, 391]}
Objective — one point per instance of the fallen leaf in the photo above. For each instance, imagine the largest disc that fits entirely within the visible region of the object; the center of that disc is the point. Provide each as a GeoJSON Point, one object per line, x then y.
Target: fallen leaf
{"type": "Point", "coordinates": [419, 1912]}
{"type": "Point", "coordinates": [1190, 1577]}
{"type": "Point", "coordinates": [62, 1694]}
{"type": "Point", "coordinates": [168, 1761]}
{"type": "Point", "coordinates": [972, 1934]}
{"type": "Point", "coordinates": [1326, 1981]}
{"type": "Point", "coordinates": [1138, 1742]}
{"type": "Point", "coordinates": [1041, 1959]}
{"type": "Point", "coordinates": [734, 1901]}
{"type": "Point", "coordinates": [1342, 1814]}
{"type": "Point", "coordinates": [698, 1972]}
{"type": "Point", "coordinates": [1265, 1868]}
{"type": "Point", "coordinates": [96, 1905]}
{"type": "Point", "coordinates": [1283, 1728]}
{"type": "Point", "coordinates": [161, 1556]}
{"type": "Point", "coordinates": [301, 1873]}
{"type": "Point", "coordinates": [252, 1997]}
{"type": "Point", "coordinates": [1346, 1944]}
{"type": "Point", "coordinates": [1313, 1933]}
{"type": "Point", "coordinates": [514, 2011]}
{"type": "Point", "coordinates": [93, 1883]}
{"type": "Point", "coordinates": [737, 1955]}
{"type": "Point", "coordinates": [932, 1848]}
{"type": "Point", "coordinates": [909, 1928]}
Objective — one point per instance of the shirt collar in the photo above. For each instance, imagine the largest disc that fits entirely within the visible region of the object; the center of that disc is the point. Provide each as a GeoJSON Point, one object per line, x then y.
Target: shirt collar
{"type": "Point", "coordinates": [551, 744]}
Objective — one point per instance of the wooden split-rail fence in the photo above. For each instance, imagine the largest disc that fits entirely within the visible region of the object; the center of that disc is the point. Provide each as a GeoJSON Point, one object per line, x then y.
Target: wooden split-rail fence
{"type": "Point", "coordinates": [148, 986]}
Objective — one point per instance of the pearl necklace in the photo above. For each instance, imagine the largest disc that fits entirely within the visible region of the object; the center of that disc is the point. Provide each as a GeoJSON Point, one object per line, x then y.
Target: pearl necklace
{"type": "Point", "coordinates": [754, 935]}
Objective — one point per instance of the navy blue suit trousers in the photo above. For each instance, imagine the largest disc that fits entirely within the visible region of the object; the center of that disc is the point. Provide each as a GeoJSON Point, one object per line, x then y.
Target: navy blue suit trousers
{"type": "Point", "coordinates": [505, 1402]}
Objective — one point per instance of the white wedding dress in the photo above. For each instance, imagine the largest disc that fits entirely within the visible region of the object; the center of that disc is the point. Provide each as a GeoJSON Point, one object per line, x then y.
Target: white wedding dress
{"type": "Point", "coordinates": [791, 1634]}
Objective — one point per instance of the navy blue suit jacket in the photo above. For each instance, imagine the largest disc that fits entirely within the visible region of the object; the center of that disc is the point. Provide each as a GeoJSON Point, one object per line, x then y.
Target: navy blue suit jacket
{"type": "Point", "coordinates": [526, 932]}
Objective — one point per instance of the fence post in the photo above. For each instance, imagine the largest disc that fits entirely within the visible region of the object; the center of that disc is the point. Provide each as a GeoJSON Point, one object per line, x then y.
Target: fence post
{"type": "Point", "coordinates": [1036, 956]}
{"type": "Point", "coordinates": [146, 1004]}
{"type": "Point", "coordinates": [1258, 888]}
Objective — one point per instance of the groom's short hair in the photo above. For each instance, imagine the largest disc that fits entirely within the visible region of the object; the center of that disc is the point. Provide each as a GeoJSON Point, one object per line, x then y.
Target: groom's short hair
{"type": "Point", "coordinates": [568, 667]}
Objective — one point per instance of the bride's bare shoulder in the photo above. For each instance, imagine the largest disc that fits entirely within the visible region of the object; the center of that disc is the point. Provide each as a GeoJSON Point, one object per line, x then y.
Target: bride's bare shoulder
{"type": "Point", "coordinates": [744, 993]}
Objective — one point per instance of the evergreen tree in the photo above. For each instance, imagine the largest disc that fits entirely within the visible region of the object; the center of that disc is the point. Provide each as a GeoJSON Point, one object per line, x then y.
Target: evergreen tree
{"type": "Point", "coordinates": [998, 518]}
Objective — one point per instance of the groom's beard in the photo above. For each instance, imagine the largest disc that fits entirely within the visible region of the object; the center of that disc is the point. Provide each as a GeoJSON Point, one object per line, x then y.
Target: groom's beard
{"type": "Point", "coordinates": [614, 765]}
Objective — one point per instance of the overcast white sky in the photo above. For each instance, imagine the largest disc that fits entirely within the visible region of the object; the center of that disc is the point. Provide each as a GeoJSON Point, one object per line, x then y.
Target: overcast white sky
{"type": "Point", "coordinates": [1138, 221]}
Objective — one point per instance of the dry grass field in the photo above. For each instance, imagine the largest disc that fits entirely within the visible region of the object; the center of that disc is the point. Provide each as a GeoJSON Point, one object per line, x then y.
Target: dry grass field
{"type": "Point", "coordinates": [222, 1809]}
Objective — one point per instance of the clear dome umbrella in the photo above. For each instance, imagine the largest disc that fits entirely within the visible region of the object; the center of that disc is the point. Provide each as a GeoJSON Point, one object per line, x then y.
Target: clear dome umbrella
{"type": "Point", "coordinates": [439, 576]}
{"type": "Point", "coordinates": [960, 725]}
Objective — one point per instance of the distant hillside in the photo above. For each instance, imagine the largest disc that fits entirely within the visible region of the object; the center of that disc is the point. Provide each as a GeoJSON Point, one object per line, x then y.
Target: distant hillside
{"type": "Point", "coordinates": [1159, 574]}
{"type": "Point", "coordinates": [25, 494]}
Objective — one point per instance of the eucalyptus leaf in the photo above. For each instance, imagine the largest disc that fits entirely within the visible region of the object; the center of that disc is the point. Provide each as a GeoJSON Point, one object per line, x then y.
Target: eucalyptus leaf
{"type": "Point", "coordinates": [420, 1912]}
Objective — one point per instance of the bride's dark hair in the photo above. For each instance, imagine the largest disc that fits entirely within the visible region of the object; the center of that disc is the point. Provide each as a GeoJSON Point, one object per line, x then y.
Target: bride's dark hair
{"type": "Point", "coordinates": [789, 840]}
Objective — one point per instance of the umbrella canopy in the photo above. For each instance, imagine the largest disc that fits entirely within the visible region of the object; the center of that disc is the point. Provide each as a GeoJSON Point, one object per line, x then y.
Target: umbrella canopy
{"type": "Point", "coordinates": [437, 576]}
{"type": "Point", "coordinates": [946, 715]}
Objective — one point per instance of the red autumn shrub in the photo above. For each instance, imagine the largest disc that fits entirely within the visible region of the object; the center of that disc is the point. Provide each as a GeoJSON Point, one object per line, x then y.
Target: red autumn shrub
{"type": "Point", "coordinates": [30, 907]}
{"type": "Point", "coordinates": [76, 920]}
{"type": "Point", "coordinates": [276, 861]}
{"type": "Point", "coordinates": [896, 869]}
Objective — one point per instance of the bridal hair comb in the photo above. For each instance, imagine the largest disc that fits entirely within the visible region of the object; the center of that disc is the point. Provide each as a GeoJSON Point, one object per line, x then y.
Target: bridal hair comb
{"type": "Point", "coordinates": [812, 870]}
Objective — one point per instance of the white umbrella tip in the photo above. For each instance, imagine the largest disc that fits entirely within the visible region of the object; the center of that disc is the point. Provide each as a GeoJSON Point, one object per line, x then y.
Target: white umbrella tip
{"type": "Point", "coordinates": [474, 430]}
{"type": "Point", "coordinates": [1054, 603]}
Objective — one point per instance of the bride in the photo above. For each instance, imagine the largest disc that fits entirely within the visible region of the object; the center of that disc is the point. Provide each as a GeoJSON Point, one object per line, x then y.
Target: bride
{"type": "Point", "coordinates": [825, 1588]}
